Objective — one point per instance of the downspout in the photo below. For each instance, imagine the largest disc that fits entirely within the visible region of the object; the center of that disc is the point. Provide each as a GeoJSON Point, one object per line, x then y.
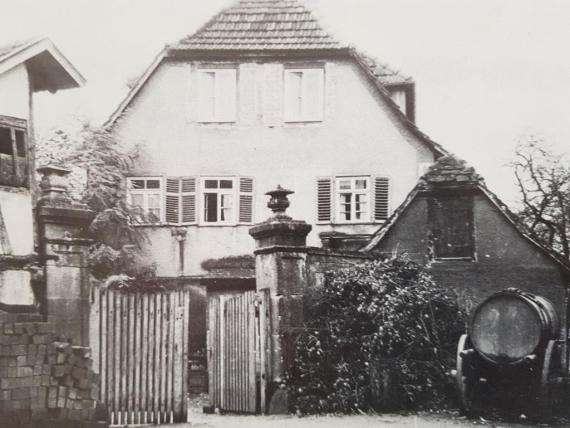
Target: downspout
{"type": "Point", "coordinates": [179, 233]}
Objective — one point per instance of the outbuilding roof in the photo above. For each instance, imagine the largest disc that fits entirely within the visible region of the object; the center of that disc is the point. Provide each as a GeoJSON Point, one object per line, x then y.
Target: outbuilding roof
{"type": "Point", "coordinates": [452, 172]}
{"type": "Point", "coordinates": [48, 67]}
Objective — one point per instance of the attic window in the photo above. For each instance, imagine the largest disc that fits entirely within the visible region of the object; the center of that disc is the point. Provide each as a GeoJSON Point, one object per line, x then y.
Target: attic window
{"type": "Point", "coordinates": [451, 220]}
{"type": "Point", "coordinates": [13, 152]}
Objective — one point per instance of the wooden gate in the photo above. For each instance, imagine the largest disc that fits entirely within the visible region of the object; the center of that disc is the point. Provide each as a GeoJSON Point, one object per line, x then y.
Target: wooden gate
{"type": "Point", "coordinates": [238, 351]}
{"type": "Point", "coordinates": [140, 349]}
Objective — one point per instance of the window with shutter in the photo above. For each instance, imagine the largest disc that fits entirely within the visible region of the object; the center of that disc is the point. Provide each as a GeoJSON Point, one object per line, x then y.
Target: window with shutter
{"type": "Point", "coordinates": [324, 200]}
{"type": "Point", "coordinates": [217, 95]}
{"type": "Point", "coordinates": [246, 200]}
{"type": "Point", "coordinates": [381, 198]}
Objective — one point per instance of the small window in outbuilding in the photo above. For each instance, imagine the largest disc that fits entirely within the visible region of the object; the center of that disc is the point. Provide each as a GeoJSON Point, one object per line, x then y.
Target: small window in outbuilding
{"type": "Point", "coordinates": [451, 220]}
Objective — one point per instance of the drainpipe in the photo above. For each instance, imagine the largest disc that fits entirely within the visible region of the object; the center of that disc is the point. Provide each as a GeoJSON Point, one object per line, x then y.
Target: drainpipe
{"type": "Point", "coordinates": [179, 233]}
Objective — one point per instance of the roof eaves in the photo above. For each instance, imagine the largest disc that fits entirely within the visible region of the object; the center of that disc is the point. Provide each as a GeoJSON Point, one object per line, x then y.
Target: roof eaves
{"type": "Point", "coordinates": [389, 223]}
{"type": "Point", "coordinates": [434, 147]}
{"type": "Point", "coordinates": [26, 51]}
{"type": "Point", "coordinates": [511, 218]}
{"type": "Point", "coordinates": [135, 89]}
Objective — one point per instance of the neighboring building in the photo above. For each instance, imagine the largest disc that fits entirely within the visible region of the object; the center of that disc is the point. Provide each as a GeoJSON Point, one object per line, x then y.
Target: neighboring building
{"type": "Point", "coordinates": [25, 68]}
{"type": "Point", "coordinates": [261, 95]}
{"type": "Point", "coordinates": [473, 244]}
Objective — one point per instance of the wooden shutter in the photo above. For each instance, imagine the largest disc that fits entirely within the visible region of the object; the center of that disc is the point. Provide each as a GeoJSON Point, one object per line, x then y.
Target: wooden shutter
{"type": "Point", "coordinates": [313, 90]}
{"type": "Point", "coordinates": [381, 198]}
{"type": "Point", "coordinates": [451, 220]}
{"type": "Point", "coordinates": [172, 200]}
{"type": "Point", "coordinates": [205, 93]}
{"type": "Point", "coordinates": [226, 98]}
{"type": "Point", "coordinates": [246, 200]}
{"type": "Point", "coordinates": [324, 200]}
{"type": "Point", "coordinates": [188, 200]}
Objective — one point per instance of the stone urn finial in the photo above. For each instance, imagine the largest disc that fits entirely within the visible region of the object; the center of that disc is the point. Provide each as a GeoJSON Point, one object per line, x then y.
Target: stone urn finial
{"type": "Point", "coordinates": [54, 182]}
{"type": "Point", "coordinates": [279, 202]}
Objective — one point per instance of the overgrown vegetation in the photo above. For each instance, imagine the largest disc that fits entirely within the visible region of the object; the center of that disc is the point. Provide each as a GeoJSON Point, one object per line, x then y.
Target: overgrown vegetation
{"type": "Point", "coordinates": [98, 169]}
{"type": "Point", "coordinates": [381, 335]}
{"type": "Point", "coordinates": [543, 180]}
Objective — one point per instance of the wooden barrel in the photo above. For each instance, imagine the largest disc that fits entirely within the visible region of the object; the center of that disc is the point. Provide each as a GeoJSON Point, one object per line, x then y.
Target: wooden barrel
{"type": "Point", "coordinates": [511, 325]}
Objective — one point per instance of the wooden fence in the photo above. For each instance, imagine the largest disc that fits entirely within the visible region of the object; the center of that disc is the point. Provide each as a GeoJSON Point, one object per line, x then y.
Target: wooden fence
{"type": "Point", "coordinates": [238, 351]}
{"type": "Point", "coordinates": [140, 348]}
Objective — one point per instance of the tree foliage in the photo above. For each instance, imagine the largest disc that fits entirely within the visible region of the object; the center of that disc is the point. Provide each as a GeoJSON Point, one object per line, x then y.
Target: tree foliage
{"type": "Point", "coordinates": [543, 181]}
{"type": "Point", "coordinates": [98, 168]}
{"type": "Point", "coordinates": [380, 335]}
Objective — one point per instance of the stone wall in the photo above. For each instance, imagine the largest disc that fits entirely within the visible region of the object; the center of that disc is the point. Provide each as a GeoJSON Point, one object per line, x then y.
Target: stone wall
{"type": "Point", "coordinates": [45, 381]}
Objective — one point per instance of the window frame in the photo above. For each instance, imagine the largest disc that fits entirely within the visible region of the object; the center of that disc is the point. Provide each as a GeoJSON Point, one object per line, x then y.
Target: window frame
{"type": "Point", "coordinates": [302, 116]}
{"type": "Point", "coordinates": [145, 193]}
{"type": "Point", "coordinates": [233, 220]}
{"type": "Point", "coordinates": [436, 209]}
{"type": "Point", "coordinates": [353, 191]}
{"type": "Point", "coordinates": [215, 118]}
{"type": "Point", "coordinates": [19, 177]}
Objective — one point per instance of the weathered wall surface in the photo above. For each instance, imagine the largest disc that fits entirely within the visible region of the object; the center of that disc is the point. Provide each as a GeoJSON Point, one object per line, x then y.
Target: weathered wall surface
{"type": "Point", "coordinates": [358, 136]}
{"type": "Point", "coordinates": [14, 88]}
{"type": "Point", "coordinates": [504, 258]}
{"type": "Point", "coordinates": [17, 213]}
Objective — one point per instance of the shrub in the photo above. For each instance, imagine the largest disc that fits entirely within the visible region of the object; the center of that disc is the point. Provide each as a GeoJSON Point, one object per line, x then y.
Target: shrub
{"type": "Point", "coordinates": [380, 335]}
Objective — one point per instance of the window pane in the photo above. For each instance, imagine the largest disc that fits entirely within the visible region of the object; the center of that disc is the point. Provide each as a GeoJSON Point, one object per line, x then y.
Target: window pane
{"type": "Point", "coordinates": [21, 143]}
{"type": "Point", "coordinates": [344, 185]}
{"type": "Point", "coordinates": [226, 184]}
{"type": "Point", "coordinates": [226, 201]}
{"type": "Point", "coordinates": [137, 201]}
{"type": "Point", "coordinates": [5, 141]}
{"type": "Point", "coordinates": [153, 201]}
{"type": "Point", "coordinates": [211, 184]}
{"type": "Point", "coordinates": [360, 184]}
{"type": "Point", "coordinates": [137, 184]}
{"type": "Point", "coordinates": [211, 207]}
{"type": "Point", "coordinates": [153, 184]}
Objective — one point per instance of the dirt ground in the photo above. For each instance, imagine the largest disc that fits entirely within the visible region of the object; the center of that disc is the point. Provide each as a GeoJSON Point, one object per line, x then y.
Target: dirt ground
{"type": "Point", "coordinates": [392, 421]}
{"type": "Point", "coordinates": [198, 419]}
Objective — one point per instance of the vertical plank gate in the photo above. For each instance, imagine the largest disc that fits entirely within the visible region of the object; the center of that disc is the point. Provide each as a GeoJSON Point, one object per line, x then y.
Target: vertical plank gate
{"type": "Point", "coordinates": [140, 350]}
{"type": "Point", "coordinates": [238, 351]}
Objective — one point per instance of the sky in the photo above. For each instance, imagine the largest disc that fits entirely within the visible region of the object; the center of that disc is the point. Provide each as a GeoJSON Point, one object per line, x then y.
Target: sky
{"type": "Point", "coordinates": [488, 72]}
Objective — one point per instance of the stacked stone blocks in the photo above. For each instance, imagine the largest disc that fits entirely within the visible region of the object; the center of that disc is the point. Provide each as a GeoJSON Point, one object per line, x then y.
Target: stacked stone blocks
{"type": "Point", "coordinates": [44, 378]}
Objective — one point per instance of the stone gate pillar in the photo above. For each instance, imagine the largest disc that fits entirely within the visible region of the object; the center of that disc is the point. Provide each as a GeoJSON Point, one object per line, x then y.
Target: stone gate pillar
{"type": "Point", "coordinates": [280, 258]}
{"type": "Point", "coordinates": [61, 224]}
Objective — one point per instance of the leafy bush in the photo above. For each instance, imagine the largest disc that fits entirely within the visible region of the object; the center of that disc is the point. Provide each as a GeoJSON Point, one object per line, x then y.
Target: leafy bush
{"type": "Point", "coordinates": [99, 166]}
{"type": "Point", "coordinates": [381, 335]}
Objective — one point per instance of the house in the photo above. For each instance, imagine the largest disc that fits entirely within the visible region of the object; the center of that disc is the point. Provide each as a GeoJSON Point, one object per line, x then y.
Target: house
{"type": "Point", "coordinates": [471, 241]}
{"type": "Point", "coordinates": [261, 95]}
{"type": "Point", "coordinates": [26, 68]}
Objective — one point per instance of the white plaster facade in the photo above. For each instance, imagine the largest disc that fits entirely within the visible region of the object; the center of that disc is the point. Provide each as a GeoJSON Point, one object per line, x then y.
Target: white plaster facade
{"type": "Point", "coordinates": [359, 135]}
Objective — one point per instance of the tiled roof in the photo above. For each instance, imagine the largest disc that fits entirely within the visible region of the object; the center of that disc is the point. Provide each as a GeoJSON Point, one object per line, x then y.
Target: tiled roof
{"type": "Point", "coordinates": [262, 25]}
{"type": "Point", "coordinates": [382, 72]}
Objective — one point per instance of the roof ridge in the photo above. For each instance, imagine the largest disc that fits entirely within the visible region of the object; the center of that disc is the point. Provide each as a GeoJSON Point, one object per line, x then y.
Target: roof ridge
{"type": "Point", "coordinates": [263, 20]}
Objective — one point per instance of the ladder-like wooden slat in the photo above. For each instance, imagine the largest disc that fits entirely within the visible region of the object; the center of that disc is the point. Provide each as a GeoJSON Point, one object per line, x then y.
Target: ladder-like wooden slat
{"type": "Point", "coordinates": [185, 350]}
